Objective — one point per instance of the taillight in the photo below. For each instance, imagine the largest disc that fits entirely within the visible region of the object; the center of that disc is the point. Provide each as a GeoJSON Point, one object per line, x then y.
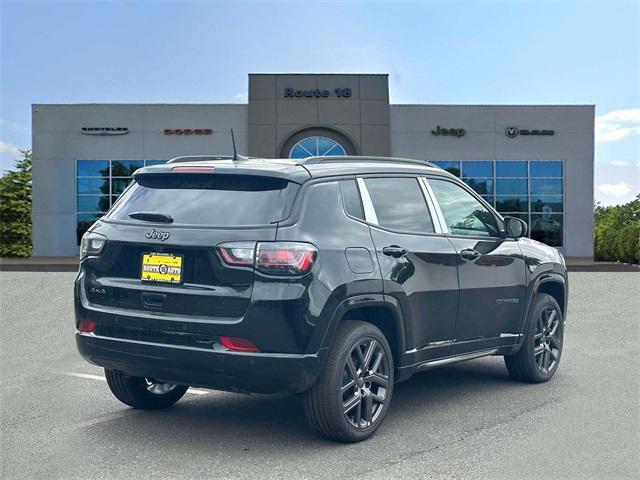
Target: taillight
{"type": "Point", "coordinates": [272, 258]}
{"type": "Point", "coordinates": [239, 254]}
{"type": "Point", "coordinates": [285, 258]}
{"type": "Point", "coordinates": [238, 344]}
{"type": "Point", "coordinates": [86, 326]}
{"type": "Point", "coordinates": [91, 244]}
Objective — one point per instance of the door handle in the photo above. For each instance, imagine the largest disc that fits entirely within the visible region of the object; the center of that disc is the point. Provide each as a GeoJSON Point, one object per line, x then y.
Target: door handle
{"type": "Point", "coordinates": [469, 254]}
{"type": "Point", "coordinates": [395, 251]}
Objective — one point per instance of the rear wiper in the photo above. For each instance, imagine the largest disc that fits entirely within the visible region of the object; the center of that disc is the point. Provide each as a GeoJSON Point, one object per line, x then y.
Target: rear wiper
{"type": "Point", "coordinates": [151, 217]}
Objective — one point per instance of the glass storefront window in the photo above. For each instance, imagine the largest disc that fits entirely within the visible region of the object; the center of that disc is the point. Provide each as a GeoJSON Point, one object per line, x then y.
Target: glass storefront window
{"type": "Point", "coordinates": [490, 199]}
{"type": "Point", "coordinates": [452, 167]}
{"type": "Point", "coordinates": [545, 169]}
{"type": "Point", "coordinates": [83, 222]}
{"type": "Point", "coordinates": [92, 168]}
{"type": "Point", "coordinates": [511, 168]}
{"type": "Point", "coordinates": [125, 168]}
{"type": "Point", "coordinates": [92, 185]}
{"type": "Point", "coordinates": [546, 204]}
{"type": "Point", "coordinates": [119, 184]}
{"type": "Point", "coordinates": [512, 203]}
{"type": "Point", "coordinates": [511, 186]}
{"type": "Point", "coordinates": [547, 228]}
{"type": "Point", "coordinates": [546, 186]}
{"type": "Point", "coordinates": [484, 186]}
{"type": "Point", "coordinates": [93, 203]}
{"type": "Point", "coordinates": [530, 190]}
{"type": "Point", "coordinates": [477, 169]}
{"type": "Point", "coordinates": [98, 185]}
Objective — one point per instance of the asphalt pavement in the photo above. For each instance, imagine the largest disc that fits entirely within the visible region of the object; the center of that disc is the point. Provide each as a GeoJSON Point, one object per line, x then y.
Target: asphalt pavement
{"type": "Point", "coordinates": [466, 421]}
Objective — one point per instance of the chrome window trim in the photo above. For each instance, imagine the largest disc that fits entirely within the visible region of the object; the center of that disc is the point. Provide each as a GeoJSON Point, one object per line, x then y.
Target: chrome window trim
{"type": "Point", "coordinates": [369, 211]}
{"type": "Point", "coordinates": [433, 204]}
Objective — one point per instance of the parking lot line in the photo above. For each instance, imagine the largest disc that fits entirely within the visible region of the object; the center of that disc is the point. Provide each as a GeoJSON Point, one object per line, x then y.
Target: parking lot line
{"type": "Point", "coordinates": [194, 391]}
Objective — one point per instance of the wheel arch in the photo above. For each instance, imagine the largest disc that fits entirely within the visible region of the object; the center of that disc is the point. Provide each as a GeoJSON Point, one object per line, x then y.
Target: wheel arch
{"type": "Point", "coordinates": [375, 310]}
{"type": "Point", "coordinates": [551, 283]}
{"type": "Point", "coordinates": [554, 286]}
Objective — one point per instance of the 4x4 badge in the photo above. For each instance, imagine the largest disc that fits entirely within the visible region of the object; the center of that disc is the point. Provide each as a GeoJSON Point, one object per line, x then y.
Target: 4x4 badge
{"type": "Point", "coordinates": [158, 234]}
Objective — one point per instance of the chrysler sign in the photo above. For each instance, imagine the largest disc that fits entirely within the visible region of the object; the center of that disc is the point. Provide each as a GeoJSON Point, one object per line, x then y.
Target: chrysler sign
{"type": "Point", "coordinates": [103, 131]}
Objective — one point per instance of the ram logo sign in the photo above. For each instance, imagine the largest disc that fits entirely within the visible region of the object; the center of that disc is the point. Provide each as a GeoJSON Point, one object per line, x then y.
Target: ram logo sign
{"type": "Point", "coordinates": [513, 132]}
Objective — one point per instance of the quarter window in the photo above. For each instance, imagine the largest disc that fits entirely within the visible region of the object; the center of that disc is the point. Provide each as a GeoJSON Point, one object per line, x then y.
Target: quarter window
{"type": "Point", "coordinates": [351, 199]}
{"type": "Point", "coordinates": [463, 214]}
{"type": "Point", "coordinates": [399, 204]}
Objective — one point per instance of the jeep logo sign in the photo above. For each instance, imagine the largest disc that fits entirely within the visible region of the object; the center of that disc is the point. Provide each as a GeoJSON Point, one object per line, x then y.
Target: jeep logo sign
{"type": "Point", "coordinates": [513, 132]}
{"type": "Point", "coordinates": [452, 132]}
{"type": "Point", "coordinates": [158, 235]}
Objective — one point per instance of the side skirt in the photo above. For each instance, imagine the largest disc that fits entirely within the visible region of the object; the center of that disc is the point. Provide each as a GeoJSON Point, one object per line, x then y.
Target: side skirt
{"type": "Point", "coordinates": [404, 373]}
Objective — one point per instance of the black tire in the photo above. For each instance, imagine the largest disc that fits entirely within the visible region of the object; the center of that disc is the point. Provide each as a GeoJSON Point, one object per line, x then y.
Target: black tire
{"type": "Point", "coordinates": [539, 357]}
{"type": "Point", "coordinates": [369, 396]}
{"type": "Point", "coordinates": [138, 392]}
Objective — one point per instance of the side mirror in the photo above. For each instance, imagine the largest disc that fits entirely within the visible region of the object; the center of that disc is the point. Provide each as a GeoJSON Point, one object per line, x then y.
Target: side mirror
{"type": "Point", "coordinates": [515, 228]}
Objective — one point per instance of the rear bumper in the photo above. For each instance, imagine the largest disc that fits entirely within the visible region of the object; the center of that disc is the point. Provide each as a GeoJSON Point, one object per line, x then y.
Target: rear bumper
{"type": "Point", "coordinates": [216, 369]}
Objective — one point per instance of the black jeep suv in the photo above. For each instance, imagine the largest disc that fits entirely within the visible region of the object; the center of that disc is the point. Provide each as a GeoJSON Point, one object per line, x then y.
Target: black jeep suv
{"type": "Point", "coordinates": [335, 277]}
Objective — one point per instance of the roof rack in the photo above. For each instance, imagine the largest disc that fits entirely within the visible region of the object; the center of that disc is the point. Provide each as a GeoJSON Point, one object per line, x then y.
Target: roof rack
{"type": "Point", "coordinates": [357, 159]}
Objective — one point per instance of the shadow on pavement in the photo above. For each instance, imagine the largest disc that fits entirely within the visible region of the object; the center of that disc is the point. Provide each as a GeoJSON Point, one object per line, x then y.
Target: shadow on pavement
{"type": "Point", "coordinates": [268, 423]}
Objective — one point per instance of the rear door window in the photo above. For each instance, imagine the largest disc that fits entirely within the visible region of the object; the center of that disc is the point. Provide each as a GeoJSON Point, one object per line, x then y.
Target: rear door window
{"type": "Point", "coordinates": [399, 204]}
{"type": "Point", "coordinates": [206, 199]}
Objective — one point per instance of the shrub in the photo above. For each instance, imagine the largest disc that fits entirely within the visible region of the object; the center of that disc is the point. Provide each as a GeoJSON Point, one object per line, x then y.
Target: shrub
{"type": "Point", "coordinates": [617, 232]}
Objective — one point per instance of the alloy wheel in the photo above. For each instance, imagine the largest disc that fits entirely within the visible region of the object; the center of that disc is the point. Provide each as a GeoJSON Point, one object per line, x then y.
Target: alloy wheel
{"type": "Point", "coordinates": [547, 341]}
{"type": "Point", "coordinates": [365, 382]}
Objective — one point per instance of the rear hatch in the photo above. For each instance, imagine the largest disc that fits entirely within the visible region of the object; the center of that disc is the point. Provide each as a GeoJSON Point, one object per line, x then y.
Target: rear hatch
{"type": "Point", "coordinates": [161, 258]}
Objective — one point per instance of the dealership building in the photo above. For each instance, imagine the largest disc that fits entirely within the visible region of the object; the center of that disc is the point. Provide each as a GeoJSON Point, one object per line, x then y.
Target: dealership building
{"type": "Point", "coordinates": [535, 162]}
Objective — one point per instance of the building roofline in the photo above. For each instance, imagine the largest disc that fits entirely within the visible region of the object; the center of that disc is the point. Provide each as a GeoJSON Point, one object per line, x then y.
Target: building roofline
{"type": "Point", "coordinates": [121, 104]}
{"type": "Point", "coordinates": [492, 104]}
{"type": "Point", "coordinates": [319, 74]}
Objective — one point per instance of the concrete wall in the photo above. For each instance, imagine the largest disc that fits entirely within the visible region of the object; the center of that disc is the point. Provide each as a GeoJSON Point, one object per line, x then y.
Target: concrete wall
{"type": "Point", "coordinates": [274, 117]}
{"type": "Point", "coordinates": [485, 139]}
{"type": "Point", "coordinates": [58, 142]}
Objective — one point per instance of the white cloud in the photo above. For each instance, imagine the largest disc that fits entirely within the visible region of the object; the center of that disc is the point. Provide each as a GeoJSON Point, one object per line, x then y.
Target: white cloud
{"type": "Point", "coordinates": [617, 190]}
{"type": "Point", "coordinates": [620, 163]}
{"type": "Point", "coordinates": [8, 149]}
{"type": "Point", "coordinates": [618, 124]}
{"type": "Point", "coordinates": [241, 96]}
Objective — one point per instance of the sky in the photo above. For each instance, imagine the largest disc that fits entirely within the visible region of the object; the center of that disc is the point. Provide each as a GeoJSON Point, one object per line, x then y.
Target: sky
{"type": "Point", "coordinates": [458, 52]}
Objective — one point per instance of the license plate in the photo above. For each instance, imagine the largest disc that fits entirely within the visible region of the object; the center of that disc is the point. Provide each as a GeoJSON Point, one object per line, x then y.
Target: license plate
{"type": "Point", "coordinates": [161, 267]}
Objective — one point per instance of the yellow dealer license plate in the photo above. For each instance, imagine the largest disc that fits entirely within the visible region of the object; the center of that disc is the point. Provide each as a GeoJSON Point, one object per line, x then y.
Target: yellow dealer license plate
{"type": "Point", "coordinates": [161, 267]}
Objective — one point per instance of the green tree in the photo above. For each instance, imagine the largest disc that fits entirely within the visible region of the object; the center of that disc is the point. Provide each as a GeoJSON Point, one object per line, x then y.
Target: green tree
{"type": "Point", "coordinates": [617, 232]}
{"type": "Point", "coordinates": [15, 209]}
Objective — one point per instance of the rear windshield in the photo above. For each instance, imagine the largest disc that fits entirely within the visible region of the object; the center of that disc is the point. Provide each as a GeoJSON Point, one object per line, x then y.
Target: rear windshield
{"type": "Point", "coordinates": [207, 199]}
